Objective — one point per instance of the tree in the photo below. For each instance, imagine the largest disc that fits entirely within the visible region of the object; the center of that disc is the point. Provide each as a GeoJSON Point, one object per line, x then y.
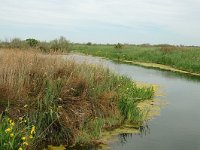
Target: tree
{"type": "Point", "coordinates": [32, 42]}
{"type": "Point", "coordinates": [89, 43]}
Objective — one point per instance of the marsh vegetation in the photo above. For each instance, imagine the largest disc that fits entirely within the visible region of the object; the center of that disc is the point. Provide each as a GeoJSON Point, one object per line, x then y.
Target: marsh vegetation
{"type": "Point", "coordinates": [48, 100]}
{"type": "Point", "coordinates": [60, 44]}
{"type": "Point", "coordinates": [179, 57]}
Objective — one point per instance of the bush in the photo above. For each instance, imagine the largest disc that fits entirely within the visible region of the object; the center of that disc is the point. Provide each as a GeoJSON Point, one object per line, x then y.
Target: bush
{"type": "Point", "coordinates": [44, 47]}
{"type": "Point", "coordinates": [118, 46]}
{"type": "Point", "coordinates": [60, 44]}
{"type": "Point", "coordinates": [32, 42]}
{"type": "Point", "coordinates": [17, 43]}
{"type": "Point", "coordinates": [89, 44]}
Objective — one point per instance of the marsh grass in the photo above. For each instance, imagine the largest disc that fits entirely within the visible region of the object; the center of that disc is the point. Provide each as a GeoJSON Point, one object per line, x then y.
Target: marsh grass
{"type": "Point", "coordinates": [68, 103]}
{"type": "Point", "coordinates": [179, 57]}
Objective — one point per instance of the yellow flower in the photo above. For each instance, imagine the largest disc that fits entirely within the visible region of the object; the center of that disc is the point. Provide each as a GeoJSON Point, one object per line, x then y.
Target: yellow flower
{"type": "Point", "coordinates": [23, 138]}
{"type": "Point", "coordinates": [155, 87]}
{"type": "Point", "coordinates": [25, 143]}
{"type": "Point", "coordinates": [20, 118]}
{"type": "Point", "coordinates": [33, 130]}
{"type": "Point", "coordinates": [20, 148]}
{"type": "Point", "coordinates": [11, 135]}
{"type": "Point", "coordinates": [8, 130]}
{"type": "Point", "coordinates": [12, 124]}
{"type": "Point", "coordinates": [30, 136]}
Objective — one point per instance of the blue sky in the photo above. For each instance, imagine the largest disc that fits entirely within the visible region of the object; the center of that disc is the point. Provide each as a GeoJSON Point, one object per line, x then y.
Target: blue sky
{"type": "Point", "coordinates": [103, 21]}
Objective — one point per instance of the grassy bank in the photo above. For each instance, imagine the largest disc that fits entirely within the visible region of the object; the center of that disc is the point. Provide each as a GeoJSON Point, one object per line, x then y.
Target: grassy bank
{"type": "Point", "coordinates": [183, 58]}
{"type": "Point", "coordinates": [46, 100]}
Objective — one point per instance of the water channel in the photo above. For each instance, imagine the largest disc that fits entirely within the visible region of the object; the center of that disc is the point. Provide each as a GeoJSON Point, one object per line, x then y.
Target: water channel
{"type": "Point", "coordinates": [178, 126]}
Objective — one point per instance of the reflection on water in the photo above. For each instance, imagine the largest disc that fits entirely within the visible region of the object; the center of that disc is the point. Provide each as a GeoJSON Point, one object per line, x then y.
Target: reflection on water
{"type": "Point", "coordinates": [123, 137]}
{"type": "Point", "coordinates": [143, 131]}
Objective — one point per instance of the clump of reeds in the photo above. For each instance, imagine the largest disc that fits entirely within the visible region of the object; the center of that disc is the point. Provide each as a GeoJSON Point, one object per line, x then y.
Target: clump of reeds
{"type": "Point", "coordinates": [65, 100]}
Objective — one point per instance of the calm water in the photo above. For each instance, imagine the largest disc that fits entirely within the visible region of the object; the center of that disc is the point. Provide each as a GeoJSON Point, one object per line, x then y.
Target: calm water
{"type": "Point", "coordinates": [178, 126]}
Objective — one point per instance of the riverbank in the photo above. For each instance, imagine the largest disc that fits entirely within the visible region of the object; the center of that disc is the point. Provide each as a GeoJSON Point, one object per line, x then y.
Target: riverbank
{"type": "Point", "coordinates": [160, 66]}
{"type": "Point", "coordinates": [178, 59]}
{"type": "Point", "coordinates": [48, 100]}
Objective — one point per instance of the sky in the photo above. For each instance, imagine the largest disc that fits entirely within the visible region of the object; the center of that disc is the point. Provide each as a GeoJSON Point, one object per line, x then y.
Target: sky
{"type": "Point", "coordinates": [103, 21]}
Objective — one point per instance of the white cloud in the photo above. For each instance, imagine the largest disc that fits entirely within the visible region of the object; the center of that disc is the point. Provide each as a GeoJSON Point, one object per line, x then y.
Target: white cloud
{"type": "Point", "coordinates": [180, 17]}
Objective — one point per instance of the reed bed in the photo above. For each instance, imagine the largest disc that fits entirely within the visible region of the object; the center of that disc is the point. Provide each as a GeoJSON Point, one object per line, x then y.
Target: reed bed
{"type": "Point", "coordinates": [65, 102]}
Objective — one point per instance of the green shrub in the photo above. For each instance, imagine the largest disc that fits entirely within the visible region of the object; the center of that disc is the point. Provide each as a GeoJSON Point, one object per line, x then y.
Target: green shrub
{"type": "Point", "coordinates": [118, 46]}
{"type": "Point", "coordinates": [32, 42]}
{"type": "Point", "coordinates": [89, 43]}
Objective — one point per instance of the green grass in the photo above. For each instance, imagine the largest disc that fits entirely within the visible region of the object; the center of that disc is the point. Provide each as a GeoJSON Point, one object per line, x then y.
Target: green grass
{"type": "Point", "coordinates": [15, 134]}
{"type": "Point", "coordinates": [184, 58]}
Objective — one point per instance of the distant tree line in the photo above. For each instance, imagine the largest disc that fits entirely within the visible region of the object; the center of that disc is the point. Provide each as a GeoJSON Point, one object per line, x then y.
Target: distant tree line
{"type": "Point", "coordinates": [61, 44]}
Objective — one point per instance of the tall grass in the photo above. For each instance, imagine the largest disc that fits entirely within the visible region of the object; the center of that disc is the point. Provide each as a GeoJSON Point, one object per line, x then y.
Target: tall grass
{"type": "Point", "coordinates": [64, 100]}
{"type": "Point", "coordinates": [184, 58]}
